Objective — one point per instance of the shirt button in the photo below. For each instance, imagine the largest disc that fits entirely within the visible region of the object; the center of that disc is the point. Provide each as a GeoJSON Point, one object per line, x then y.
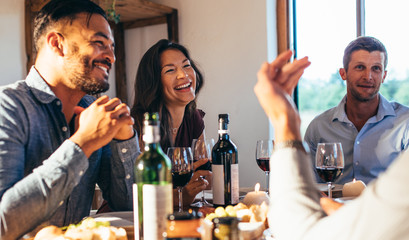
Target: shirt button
{"type": "Point", "coordinates": [357, 142]}
{"type": "Point", "coordinates": [64, 129]}
{"type": "Point", "coordinates": [356, 163]}
{"type": "Point", "coordinates": [58, 103]}
{"type": "Point", "coordinates": [128, 176]}
{"type": "Point", "coordinates": [81, 173]}
{"type": "Point", "coordinates": [124, 150]}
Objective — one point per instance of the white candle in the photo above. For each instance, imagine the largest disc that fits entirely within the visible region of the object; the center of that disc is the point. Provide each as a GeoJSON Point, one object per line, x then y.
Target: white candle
{"type": "Point", "coordinates": [257, 197]}
{"type": "Point", "coordinates": [353, 189]}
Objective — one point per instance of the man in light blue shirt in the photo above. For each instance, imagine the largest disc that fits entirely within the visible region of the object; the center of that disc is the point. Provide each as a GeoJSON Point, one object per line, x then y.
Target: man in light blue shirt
{"type": "Point", "coordinates": [372, 130]}
{"type": "Point", "coordinates": [56, 142]}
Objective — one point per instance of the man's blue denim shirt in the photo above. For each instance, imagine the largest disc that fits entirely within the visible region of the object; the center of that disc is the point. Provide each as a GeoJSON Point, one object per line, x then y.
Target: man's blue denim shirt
{"type": "Point", "coordinates": [44, 177]}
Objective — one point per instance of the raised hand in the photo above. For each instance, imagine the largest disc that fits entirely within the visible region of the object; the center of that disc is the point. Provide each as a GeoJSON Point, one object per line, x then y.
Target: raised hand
{"type": "Point", "coordinates": [276, 82]}
{"type": "Point", "coordinates": [102, 121]}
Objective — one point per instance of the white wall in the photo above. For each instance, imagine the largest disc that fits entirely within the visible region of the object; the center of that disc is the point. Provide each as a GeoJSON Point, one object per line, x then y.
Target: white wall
{"type": "Point", "coordinates": [12, 45]}
{"type": "Point", "coordinates": [228, 40]}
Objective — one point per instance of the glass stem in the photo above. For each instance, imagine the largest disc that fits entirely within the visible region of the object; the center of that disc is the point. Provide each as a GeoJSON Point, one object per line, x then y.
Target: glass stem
{"type": "Point", "coordinates": [203, 196]}
{"type": "Point", "coordinates": [330, 190]}
{"type": "Point", "coordinates": [268, 181]}
{"type": "Point", "coordinates": [180, 199]}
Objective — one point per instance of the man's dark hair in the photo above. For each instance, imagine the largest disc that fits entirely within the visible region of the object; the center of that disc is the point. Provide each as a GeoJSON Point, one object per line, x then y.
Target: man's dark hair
{"type": "Point", "coordinates": [57, 10]}
{"type": "Point", "coordinates": [369, 44]}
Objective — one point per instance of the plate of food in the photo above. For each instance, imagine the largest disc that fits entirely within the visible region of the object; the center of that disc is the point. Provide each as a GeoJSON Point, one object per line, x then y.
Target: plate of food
{"type": "Point", "coordinates": [252, 219]}
{"type": "Point", "coordinates": [88, 229]}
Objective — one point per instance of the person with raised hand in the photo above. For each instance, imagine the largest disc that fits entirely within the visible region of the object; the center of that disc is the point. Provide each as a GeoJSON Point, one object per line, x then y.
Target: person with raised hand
{"type": "Point", "coordinates": [295, 211]}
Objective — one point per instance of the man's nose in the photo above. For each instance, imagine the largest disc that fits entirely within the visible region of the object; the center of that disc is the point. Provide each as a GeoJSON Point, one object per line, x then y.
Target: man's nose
{"type": "Point", "coordinates": [109, 54]}
{"type": "Point", "coordinates": [368, 74]}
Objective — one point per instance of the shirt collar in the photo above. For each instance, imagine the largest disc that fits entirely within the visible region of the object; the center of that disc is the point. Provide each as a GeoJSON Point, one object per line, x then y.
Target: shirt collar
{"type": "Point", "coordinates": [385, 108]}
{"type": "Point", "coordinates": [39, 87]}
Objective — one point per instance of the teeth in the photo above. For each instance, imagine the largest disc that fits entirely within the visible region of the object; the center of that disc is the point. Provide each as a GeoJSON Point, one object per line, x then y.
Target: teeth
{"type": "Point", "coordinates": [102, 68]}
{"type": "Point", "coordinates": [183, 86]}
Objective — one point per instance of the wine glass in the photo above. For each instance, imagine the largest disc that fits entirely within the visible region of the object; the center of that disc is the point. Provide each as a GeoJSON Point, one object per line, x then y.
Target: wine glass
{"type": "Point", "coordinates": [329, 163]}
{"type": "Point", "coordinates": [182, 168]}
{"type": "Point", "coordinates": [202, 149]}
{"type": "Point", "coordinates": [264, 148]}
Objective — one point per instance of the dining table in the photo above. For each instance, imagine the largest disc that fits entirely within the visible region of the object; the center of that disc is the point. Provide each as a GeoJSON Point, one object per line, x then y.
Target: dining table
{"type": "Point", "coordinates": [125, 219]}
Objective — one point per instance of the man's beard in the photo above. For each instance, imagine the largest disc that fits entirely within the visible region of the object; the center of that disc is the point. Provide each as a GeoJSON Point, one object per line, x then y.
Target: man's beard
{"type": "Point", "coordinates": [79, 71]}
{"type": "Point", "coordinates": [361, 98]}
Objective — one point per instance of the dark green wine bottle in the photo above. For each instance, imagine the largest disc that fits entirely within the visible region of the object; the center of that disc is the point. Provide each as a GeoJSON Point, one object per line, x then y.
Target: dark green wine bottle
{"type": "Point", "coordinates": [152, 190]}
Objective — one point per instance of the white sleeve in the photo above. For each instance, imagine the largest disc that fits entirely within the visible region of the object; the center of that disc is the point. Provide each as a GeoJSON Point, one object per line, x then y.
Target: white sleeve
{"type": "Point", "coordinates": [381, 212]}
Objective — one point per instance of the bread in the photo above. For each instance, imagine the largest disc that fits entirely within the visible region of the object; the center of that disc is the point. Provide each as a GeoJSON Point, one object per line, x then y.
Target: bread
{"type": "Point", "coordinates": [89, 229]}
{"type": "Point", "coordinates": [50, 233]}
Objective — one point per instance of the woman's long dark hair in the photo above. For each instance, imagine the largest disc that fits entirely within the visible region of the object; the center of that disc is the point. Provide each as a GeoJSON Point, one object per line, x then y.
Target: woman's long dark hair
{"type": "Point", "coordinates": [149, 90]}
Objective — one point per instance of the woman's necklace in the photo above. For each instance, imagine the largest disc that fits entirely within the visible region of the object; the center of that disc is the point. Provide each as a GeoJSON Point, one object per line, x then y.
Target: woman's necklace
{"type": "Point", "coordinates": [174, 131]}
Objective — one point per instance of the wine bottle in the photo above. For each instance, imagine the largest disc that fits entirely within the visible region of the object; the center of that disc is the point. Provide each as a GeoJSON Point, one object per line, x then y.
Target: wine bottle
{"type": "Point", "coordinates": [152, 188]}
{"type": "Point", "coordinates": [225, 167]}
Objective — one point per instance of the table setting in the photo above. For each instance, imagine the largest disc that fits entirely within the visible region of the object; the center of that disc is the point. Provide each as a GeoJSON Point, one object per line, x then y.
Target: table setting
{"type": "Point", "coordinates": [249, 216]}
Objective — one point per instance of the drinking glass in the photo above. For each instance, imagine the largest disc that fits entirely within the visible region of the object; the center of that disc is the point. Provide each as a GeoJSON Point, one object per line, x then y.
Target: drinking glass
{"type": "Point", "coordinates": [329, 163]}
{"type": "Point", "coordinates": [182, 168]}
{"type": "Point", "coordinates": [202, 149]}
{"type": "Point", "coordinates": [264, 149]}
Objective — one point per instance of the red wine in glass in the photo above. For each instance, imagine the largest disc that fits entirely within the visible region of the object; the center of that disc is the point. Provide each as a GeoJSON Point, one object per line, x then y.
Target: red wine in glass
{"type": "Point", "coordinates": [329, 163]}
{"type": "Point", "coordinates": [180, 179]}
{"type": "Point", "coordinates": [329, 174]}
{"type": "Point", "coordinates": [264, 164]}
{"type": "Point", "coordinates": [182, 168]}
{"type": "Point", "coordinates": [202, 150]}
{"type": "Point", "coordinates": [264, 148]}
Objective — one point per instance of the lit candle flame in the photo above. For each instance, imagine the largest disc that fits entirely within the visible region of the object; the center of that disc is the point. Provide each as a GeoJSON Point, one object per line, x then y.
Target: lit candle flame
{"type": "Point", "coordinates": [257, 187]}
{"type": "Point", "coordinates": [354, 180]}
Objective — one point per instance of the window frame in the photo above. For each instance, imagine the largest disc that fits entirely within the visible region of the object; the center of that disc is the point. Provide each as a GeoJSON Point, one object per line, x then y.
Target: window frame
{"type": "Point", "coordinates": [287, 29]}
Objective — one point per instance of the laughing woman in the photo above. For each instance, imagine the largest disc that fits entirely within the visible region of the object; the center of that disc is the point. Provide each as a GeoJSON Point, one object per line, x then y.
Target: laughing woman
{"type": "Point", "coordinates": [167, 82]}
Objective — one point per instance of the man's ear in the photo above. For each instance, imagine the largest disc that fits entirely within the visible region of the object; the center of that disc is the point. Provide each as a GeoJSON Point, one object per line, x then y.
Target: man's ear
{"type": "Point", "coordinates": [343, 73]}
{"type": "Point", "coordinates": [384, 75]}
{"type": "Point", "coordinates": [55, 42]}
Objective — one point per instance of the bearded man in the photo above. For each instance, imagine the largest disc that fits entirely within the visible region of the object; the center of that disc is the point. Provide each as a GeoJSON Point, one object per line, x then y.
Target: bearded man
{"type": "Point", "coordinates": [56, 141]}
{"type": "Point", "coordinates": [372, 130]}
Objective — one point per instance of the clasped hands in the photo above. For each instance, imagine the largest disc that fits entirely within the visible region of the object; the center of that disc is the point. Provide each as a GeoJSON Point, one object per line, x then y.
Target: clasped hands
{"type": "Point", "coordinates": [104, 120]}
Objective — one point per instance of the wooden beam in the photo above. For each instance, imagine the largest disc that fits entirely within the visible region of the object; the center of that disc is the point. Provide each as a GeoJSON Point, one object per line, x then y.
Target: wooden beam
{"type": "Point", "coordinates": [145, 22]}
{"type": "Point", "coordinates": [173, 26]}
{"type": "Point", "coordinates": [120, 66]}
{"type": "Point", "coordinates": [283, 42]}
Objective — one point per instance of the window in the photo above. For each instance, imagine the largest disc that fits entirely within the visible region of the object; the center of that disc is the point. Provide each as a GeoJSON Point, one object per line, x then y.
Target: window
{"type": "Point", "coordinates": [387, 23]}
{"type": "Point", "coordinates": [322, 31]}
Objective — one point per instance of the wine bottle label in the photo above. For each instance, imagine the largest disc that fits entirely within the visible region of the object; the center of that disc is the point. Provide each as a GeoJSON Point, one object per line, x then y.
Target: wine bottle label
{"type": "Point", "coordinates": [235, 183]}
{"type": "Point", "coordinates": [156, 206]}
{"type": "Point", "coordinates": [219, 184]}
{"type": "Point", "coordinates": [151, 134]}
{"type": "Point", "coordinates": [223, 131]}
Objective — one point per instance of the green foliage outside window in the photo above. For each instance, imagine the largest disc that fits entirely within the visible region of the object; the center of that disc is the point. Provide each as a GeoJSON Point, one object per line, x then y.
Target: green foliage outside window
{"type": "Point", "coordinates": [316, 97]}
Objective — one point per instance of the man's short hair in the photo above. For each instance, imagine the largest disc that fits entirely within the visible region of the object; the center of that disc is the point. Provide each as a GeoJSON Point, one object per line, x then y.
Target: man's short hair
{"type": "Point", "coordinates": [57, 10]}
{"type": "Point", "coordinates": [369, 44]}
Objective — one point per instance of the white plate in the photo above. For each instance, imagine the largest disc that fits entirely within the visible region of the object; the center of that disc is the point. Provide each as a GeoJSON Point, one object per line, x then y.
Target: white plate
{"type": "Point", "coordinates": [117, 219]}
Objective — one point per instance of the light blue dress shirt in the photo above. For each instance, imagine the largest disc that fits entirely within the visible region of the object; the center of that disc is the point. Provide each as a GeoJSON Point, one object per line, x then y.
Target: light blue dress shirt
{"type": "Point", "coordinates": [44, 177]}
{"type": "Point", "coordinates": [368, 152]}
